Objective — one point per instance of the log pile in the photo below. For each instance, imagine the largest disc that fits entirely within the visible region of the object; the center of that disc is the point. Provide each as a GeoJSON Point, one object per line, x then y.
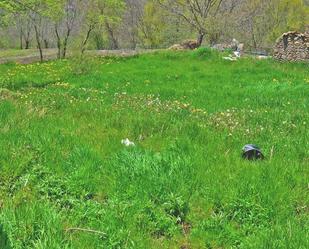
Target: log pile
{"type": "Point", "coordinates": [186, 45]}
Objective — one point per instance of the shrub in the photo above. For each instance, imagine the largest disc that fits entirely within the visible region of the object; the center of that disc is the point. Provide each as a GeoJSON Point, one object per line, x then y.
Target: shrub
{"type": "Point", "coordinates": [83, 64]}
{"type": "Point", "coordinates": [207, 53]}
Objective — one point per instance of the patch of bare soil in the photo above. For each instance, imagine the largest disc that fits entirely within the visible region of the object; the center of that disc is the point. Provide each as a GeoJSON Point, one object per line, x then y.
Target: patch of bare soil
{"type": "Point", "coordinates": [51, 54]}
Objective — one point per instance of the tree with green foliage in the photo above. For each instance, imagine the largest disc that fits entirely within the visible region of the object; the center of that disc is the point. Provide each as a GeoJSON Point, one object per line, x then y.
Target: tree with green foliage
{"type": "Point", "coordinates": [102, 12]}
{"type": "Point", "coordinates": [288, 15]}
{"type": "Point", "coordinates": [36, 10]}
{"type": "Point", "coordinates": [152, 25]}
{"type": "Point", "coordinates": [3, 18]}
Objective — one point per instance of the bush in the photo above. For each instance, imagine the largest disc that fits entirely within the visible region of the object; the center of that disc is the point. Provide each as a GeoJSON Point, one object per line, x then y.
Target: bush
{"type": "Point", "coordinates": [83, 64]}
{"type": "Point", "coordinates": [207, 53]}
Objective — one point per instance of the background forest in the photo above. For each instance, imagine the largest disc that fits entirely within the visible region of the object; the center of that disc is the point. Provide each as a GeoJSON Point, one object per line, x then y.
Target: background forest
{"type": "Point", "coordinates": [132, 24]}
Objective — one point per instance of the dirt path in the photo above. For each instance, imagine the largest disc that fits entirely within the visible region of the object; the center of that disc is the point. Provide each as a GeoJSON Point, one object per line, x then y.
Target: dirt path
{"type": "Point", "coordinates": [51, 54]}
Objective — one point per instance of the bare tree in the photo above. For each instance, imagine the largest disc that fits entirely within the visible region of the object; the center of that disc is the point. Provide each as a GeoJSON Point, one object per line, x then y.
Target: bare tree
{"type": "Point", "coordinates": [27, 33]}
{"type": "Point", "coordinates": [111, 34]}
{"type": "Point", "coordinates": [194, 12]}
{"type": "Point", "coordinates": [64, 26]}
{"type": "Point", "coordinates": [132, 19]}
{"type": "Point", "coordinates": [32, 10]}
{"type": "Point", "coordinates": [98, 13]}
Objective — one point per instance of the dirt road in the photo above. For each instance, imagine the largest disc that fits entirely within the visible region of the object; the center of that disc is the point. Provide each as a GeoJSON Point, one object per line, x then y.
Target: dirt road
{"type": "Point", "coordinates": [51, 54]}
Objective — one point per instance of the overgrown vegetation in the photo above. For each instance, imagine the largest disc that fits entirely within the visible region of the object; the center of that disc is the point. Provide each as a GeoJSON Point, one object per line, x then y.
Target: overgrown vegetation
{"type": "Point", "coordinates": [184, 184]}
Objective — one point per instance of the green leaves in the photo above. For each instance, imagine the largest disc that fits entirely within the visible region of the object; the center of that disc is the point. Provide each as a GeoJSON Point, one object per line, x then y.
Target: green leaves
{"type": "Point", "coordinates": [152, 25]}
{"type": "Point", "coordinates": [99, 11]}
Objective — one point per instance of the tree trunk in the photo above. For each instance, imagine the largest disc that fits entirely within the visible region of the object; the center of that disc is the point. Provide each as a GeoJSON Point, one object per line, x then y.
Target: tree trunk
{"type": "Point", "coordinates": [27, 44]}
{"type": "Point", "coordinates": [37, 36]}
{"type": "Point", "coordinates": [253, 36]}
{"type": "Point", "coordinates": [65, 43]}
{"type": "Point", "coordinates": [27, 34]}
{"type": "Point", "coordinates": [114, 42]}
{"type": "Point", "coordinates": [254, 42]}
{"type": "Point", "coordinates": [46, 45]}
{"type": "Point", "coordinates": [86, 38]}
{"type": "Point", "coordinates": [253, 39]}
{"type": "Point", "coordinates": [21, 39]}
{"type": "Point", "coordinates": [58, 42]}
{"type": "Point", "coordinates": [200, 38]}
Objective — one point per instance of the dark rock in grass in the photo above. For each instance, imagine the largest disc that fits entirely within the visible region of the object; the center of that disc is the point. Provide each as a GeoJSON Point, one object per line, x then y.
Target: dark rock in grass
{"type": "Point", "coordinates": [252, 152]}
{"type": "Point", "coordinates": [88, 196]}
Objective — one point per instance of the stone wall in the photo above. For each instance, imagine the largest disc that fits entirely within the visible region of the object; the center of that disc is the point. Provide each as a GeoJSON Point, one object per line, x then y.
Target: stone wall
{"type": "Point", "coordinates": [292, 46]}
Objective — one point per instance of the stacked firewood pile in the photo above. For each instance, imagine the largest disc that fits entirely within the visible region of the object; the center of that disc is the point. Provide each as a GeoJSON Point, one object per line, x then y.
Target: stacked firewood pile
{"type": "Point", "coordinates": [292, 46]}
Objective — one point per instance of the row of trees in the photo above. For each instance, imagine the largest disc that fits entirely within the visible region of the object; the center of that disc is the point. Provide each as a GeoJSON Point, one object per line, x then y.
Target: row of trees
{"type": "Point", "coordinates": [117, 24]}
{"type": "Point", "coordinates": [53, 22]}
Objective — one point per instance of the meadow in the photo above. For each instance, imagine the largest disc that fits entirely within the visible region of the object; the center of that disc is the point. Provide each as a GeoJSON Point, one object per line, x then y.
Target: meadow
{"type": "Point", "coordinates": [66, 180]}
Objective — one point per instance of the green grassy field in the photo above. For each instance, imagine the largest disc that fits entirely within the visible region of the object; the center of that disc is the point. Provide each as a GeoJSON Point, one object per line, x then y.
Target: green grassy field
{"type": "Point", "coordinates": [184, 185]}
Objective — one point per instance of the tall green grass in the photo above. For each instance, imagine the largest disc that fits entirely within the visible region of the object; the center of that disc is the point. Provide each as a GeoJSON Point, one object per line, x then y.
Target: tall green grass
{"type": "Point", "coordinates": [184, 184]}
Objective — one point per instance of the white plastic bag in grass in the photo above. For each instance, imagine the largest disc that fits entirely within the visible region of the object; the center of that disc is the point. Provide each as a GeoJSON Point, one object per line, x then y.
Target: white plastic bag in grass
{"type": "Point", "coordinates": [127, 142]}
